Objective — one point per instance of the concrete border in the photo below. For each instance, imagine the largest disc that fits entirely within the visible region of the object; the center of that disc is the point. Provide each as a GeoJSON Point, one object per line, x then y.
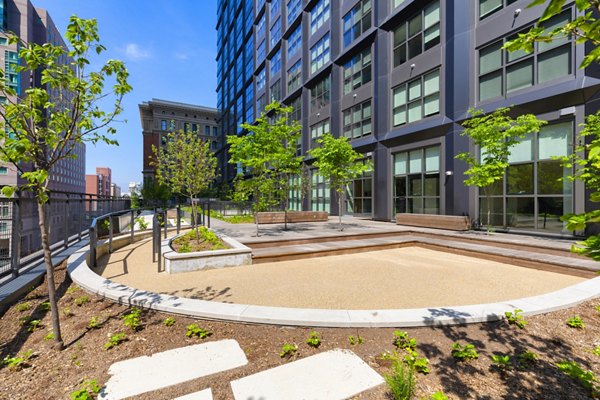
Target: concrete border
{"type": "Point", "coordinates": [568, 297]}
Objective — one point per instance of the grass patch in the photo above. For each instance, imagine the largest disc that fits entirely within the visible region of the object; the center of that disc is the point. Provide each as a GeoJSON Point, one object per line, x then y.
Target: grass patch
{"type": "Point", "coordinates": [208, 241]}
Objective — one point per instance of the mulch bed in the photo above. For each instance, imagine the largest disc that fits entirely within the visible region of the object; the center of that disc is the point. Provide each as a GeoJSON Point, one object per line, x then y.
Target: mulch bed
{"type": "Point", "coordinates": [54, 374]}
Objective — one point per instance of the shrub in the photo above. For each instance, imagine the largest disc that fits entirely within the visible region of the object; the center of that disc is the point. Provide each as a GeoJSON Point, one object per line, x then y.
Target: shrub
{"type": "Point", "coordinates": [403, 341]}
{"type": "Point", "coordinates": [169, 321]}
{"type": "Point", "coordinates": [132, 319]}
{"type": "Point", "coordinates": [501, 362]}
{"type": "Point", "coordinates": [81, 300]}
{"type": "Point", "coordinates": [585, 377]}
{"type": "Point", "coordinates": [94, 323]}
{"type": "Point", "coordinates": [45, 306]}
{"type": "Point", "coordinates": [115, 340]}
{"type": "Point", "coordinates": [87, 391]}
{"type": "Point", "coordinates": [463, 353]}
{"type": "Point", "coordinates": [400, 381]}
{"type": "Point", "coordinates": [515, 318]}
{"type": "Point", "coordinates": [314, 339]}
{"type": "Point", "coordinates": [576, 322]}
{"type": "Point", "coordinates": [288, 350]}
{"type": "Point", "coordinates": [195, 330]}
{"type": "Point", "coordinates": [22, 307]}
{"type": "Point", "coordinates": [418, 363]}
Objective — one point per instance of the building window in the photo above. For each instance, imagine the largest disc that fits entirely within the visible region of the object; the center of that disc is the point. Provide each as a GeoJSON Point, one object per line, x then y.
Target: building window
{"type": "Point", "coordinates": [359, 194]}
{"type": "Point", "coordinates": [357, 71]}
{"type": "Point", "coordinates": [275, 6]}
{"type": "Point", "coordinates": [260, 104]}
{"type": "Point", "coordinates": [357, 120]}
{"type": "Point", "coordinates": [296, 115]}
{"type": "Point", "coordinates": [295, 193]}
{"type": "Point", "coordinates": [319, 54]}
{"type": "Point", "coordinates": [3, 170]}
{"type": "Point", "coordinates": [319, 15]}
{"type": "Point", "coordinates": [260, 27]}
{"type": "Point", "coordinates": [417, 181]}
{"type": "Point", "coordinates": [502, 72]}
{"type": "Point", "coordinates": [163, 124]}
{"type": "Point", "coordinates": [259, 5]}
{"type": "Point", "coordinates": [276, 32]}
{"type": "Point", "coordinates": [294, 41]}
{"type": "Point", "coordinates": [489, 7]}
{"type": "Point", "coordinates": [319, 94]}
{"type": "Point", "coordinates": [12, 76]}
{"type": "Point", "coordinates": [417, 99]}
{"type": "Point", "coordinates": [207, 130]}
{"type": "Point", "coordinates": [357, 21]}
{"type": "Point", "coordinates": [186, 127]}
{"type": "Point", "coordinates": [535, 191]}
{"type": "Point", "coordinates": [261, 52]}
{"type": "Point", "coordinates": [215, 131]}
{"type": "Point", "coordinates": [320, 193]}
{"type": "Point", "coordinates": [293, 9]}
{"type": "Point", "coordinates": [275, 64]}
{"type": "Point", "coordinates": [172, 125]}
{"type": "Point", "coordinates": [194, 128]}
{"type": "Point", "coordinates": [3, 226]}
{"type": "Point", "coordinates": [417, 34]}
{"type": "Point", "coordinates": [261, 79]}
{"type": "Point", "coordinates": [294, 76]}
{"type": "Point", "coordinates": [317, 131]}
{"type": "Point", "coordinates": [276, 91]}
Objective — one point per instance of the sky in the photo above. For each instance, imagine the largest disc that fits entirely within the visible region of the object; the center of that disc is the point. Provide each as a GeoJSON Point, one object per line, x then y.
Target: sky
{"type": "Point", "coordinates": [169, 48]}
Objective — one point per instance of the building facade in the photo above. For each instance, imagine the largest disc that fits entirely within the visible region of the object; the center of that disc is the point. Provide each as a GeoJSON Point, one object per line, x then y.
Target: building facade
{"type": "Point", "coordinates": [398, 78]}
{"type": "Point", "coordinates": [100, 183]}
{"type": "Point", "coordinates": [161, 117]}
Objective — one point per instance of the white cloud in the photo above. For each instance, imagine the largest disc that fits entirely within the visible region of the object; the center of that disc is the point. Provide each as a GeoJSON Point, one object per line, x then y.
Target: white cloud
{"type": "Point", "coordinates": [184, 55]}
{"type": "Point", "coordinates": [133, 51]}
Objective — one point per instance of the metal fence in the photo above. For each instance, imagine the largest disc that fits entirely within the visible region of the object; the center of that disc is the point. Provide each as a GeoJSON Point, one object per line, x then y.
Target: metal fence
{"type": "Point", "coordinates": [69, 216]}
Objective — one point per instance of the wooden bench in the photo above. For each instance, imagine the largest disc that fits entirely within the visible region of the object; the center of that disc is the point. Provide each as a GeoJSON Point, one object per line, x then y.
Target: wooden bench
{"type": "Point", "coordinates": [452, 222]}
{"type": "Point", "coordinates": [292, 217]}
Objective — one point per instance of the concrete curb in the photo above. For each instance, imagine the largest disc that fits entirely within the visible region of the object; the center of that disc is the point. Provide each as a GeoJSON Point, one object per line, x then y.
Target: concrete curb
{"type": "Point", "coordinates": [568, 297]}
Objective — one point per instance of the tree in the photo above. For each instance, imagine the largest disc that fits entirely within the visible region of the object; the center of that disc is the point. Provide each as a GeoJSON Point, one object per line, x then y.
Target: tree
{"type": "Point", "coordinates": [494, 135]}
{"type": "Point", "coordinates": [40, 130]}
{"type": "Point", "coordinates": [339, 164]}
{"type": "Point", "coordinates": [268, 153]}
{"type": "Point", "coordinates": [584, 28]}
{"type": "Point", "coordinates": [156, 194]}
{"type": "Point", "coordinates": [187, 166]}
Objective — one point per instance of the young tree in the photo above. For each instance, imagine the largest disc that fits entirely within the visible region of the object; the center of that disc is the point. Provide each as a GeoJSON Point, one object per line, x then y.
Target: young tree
{"type": "Point", "coordinates": [267, 152]}
{"type": "Point", "coordinates": [155, 194]}
{"type": "Point", "coordinates": [40, 130]}
{"type": "Point", "coordinates": [187, 166]}
{"type": "Point", "coordinates": [494, 135]}
{"type": "Point", "coordinates": [339, 164]}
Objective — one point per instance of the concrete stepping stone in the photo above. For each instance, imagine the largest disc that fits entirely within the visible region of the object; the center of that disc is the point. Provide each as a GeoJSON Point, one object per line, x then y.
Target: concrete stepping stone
{"type": "Point", "coordinates": [336, 374]}
{"type": "Point", "coordinates": [145, 374]}
{"type": "Point", "coordinates": [205, 394]}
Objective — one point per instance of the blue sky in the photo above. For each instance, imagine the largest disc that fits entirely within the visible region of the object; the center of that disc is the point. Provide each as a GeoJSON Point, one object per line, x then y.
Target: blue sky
{"type": "Point", "coordinates": [169, 48]}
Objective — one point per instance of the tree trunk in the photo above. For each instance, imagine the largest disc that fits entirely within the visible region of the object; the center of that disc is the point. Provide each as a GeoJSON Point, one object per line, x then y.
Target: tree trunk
{"type": "Point", "coordinates": [50, 276]}
{"type": "Point", "coordinates": [340, 198]}
{"type": "Point", "coordinates": [195, 218]}
{"type": "Point", "coordinates": [256, 221]}
{"type": "Point", "coordinates": [488, 197]}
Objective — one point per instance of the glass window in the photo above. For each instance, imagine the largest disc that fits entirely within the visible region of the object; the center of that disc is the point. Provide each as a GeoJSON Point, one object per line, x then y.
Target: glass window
{"type": "Point", "coordinates": [275, 5]}
{"type": "Point", "coordinates": [319, 54]}
{"type": "Point", "coordinates": [295, 42]}
{"type": "Point", "coordinates": [294, 76]}
{"type": "Point", "coordinates": [357, 21]}
{"type": "Point", "coordinates": [319, 94]}
{"type": "Point", "coordinates": [357, 71]}
{"type": "Point", "coordinates": [359, 194]}
{"type": "Point", "coordinates": [417, 99]}
{"type": "Point", "coordinates": [417, 34]}
{"type": "Point", "coordinates": [417, 181]}
{"type": "Point", "coordinates": [293, 9]}
{"type": "Point", "coordinates": [261, 52]}
{"type": "Point", "coordinates": [260, 27]}
{"type": "Point", "coordinates": [317, 131]}
{"type": "Point", "coordinates": [163, 124]}
{"type": "Point", "coordinates": [276, 91]}
{"type": "Point", "coordinates": [275, 32]}
{"type": "Point", "coordinates": [3, 170]}
{"type": "Point", "coordinates": [357, 120]}
{"type": "Point", "coordinates": [319, 15]}
{"type": "Point", "coordinates": [275, 64]}
{"type": "Point", "coordinates": [320, 193]}
{"type": "Point", "coordinates": [488, 7]}
{"type": "Point", "coordinates": [261, 80]}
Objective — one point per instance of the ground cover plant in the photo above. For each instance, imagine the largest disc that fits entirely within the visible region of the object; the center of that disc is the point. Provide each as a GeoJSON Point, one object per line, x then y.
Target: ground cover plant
{"type": "Point", "coordinates": [208, 241]}
{"type": "Point", "coordinates": [534, 352]}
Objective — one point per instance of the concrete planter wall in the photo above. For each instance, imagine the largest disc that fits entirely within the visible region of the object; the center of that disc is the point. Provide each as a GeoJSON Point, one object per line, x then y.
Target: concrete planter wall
{"type": "Point", "coordinates": [235, 256]}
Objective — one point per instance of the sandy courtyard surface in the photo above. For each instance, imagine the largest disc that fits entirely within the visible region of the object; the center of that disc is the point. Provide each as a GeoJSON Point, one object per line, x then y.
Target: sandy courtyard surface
{"type": "Point", "coordinates": [410, 277]}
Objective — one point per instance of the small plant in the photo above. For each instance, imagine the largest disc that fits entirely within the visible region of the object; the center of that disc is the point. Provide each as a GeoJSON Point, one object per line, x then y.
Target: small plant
{"type": "Point", "coordinates": [169, 321]}
{"type": "Point", "coordinates": [288, 350]}
{"type": "Point", "coordinates": [403, 341]}
{"type": "Point", "coordinates": [401, 381]}
{"type": "Point", "coordinates": [418, 363]}
{"type": "Point", "coordinates": [87, 391]}
{"type": "Point", "coordinates": [515, 318]}
{"type": "Point", "coordinates": [22, 307]}
{"type": "Point", "coordinates": [24, 320]}
{"type": "Point", "coordinates": [355, 340]}
{"type": "Point", "coordinates": [45, 306]}
{"type": "Point", "coordinates": [314, 339]}
{"type": "Point", "coordinates": [501, 362]}
{"type": "Point", "coordinates": [81, 300]}
{"type": "Point", "coordinates": [18, 362]}
{"type": "Point", "coordinates": [463, 353]}
{"type": "Point", "coordinates": [576, 322]}
{"type": "Point", "coordinates": [195, 330]}
{"type": "Point", "coordinates": [73, 289]}
{"type": "Point", "coordinates": [142, 224]}
{"type": "Point", "coordinates": [585, 377]}
{"type": "Point", "coordinates": [596, 351]}
{"type": "Point", "coordinates": [185, 247]}
{"type": "Point", "coordinates": [34, 325]}
{"type": "Point", "coordinates": [597, 308]}
{"type": "Point", "coordinates": [67, 312]}
{"type": "Point", "coordinates": [132, 319]}
{"type": "Point", "coordinates": [438, 396]}
{"type": "Point", "coordinates": [49, 336]}
{"type": "Point", "coordinates": [527, 359]}
{"type": "Point", "coordinates": [94, 323]}
{"type": "Point", "coordinates": [115, 340]}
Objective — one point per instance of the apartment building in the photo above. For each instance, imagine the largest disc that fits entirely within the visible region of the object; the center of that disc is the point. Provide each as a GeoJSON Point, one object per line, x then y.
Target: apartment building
{"type": "Point", "coordinates": [161, 117]}
{"type": "Point", "coordinates": [398, 78]}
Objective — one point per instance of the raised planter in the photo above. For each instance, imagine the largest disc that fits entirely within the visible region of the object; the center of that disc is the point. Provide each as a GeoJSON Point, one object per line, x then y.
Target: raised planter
{"type": "Point", "coordinates": [235, 256]}
{"type": "Point", "coordinates": [278, 217]}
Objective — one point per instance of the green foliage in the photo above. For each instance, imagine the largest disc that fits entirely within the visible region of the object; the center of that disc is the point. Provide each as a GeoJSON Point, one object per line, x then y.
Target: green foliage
{"type": "Point", "coordinates": [24, 320]}
{"type": "Point", "coordinates": [34, 325]}
{"type": "Point", "coordinates": [45, 306]}
{"type": "Point", "coordinates": [576, 322]}
{"type": "Point", "coordinates": [584, 28]}
{"type": "Point", "coordinates": [156, 194]}
{"type": "Point", "coordinates": [87, 391]}
{"type": "Point", "coordinates": [94, 323]}
{"type": "Point", "coordinates": [195, 330]}
{"type": "Point", "coordinates": [515, 318]}
{"type": "Point", "coordinates": [401, 381]}
{"type": "Point", "coordinates": [67, 312]}
{"type": "Point", "coordinates": [22, 307]}
{"type": "Point", "coordinates": [403, 341]}
{"type": "Point", "coordinates": [355, 340]}
{"type": "Point", "coordinates": [202, 236]}
{"type": "Point", "coordinates": [585, 377]}
{"type": "Point", "coordinates": [501, 362]}
{"type": "Point", "coordinates": [314, 339]}
{"type": "Point", "coordinates": [81, 300]}
{"type": "Point", "coordinates": [288, 350]}
{"type": "Point", "coordinates": [494, 135]}
{"type": "Point", "coordinates": [596, 351]}
{"type": "Point", "coordinates": [169, 321]}
{"type": "Point", "coordinates": [141, 223]}
{"type": "Point", "coordinates": [415, 361]}
{"type": "Point", "coordinates": [115, 340]}
{"type": "Point", "coordinates": [133, 319]}
{"type": "Point", "coordinates": [338, 164]}
{"type": "Point", "coordinates": [49, 336]}
{"type": "Point", "coordinates": [267, 153]}
{"type": "Point", "coordinates": [464, 353]}
{"type": "Point", "coordinates": [17, 362]}
{"type": "Point", "coordinates": [438, 396]}
{"type": "Point", "coordinates": [73, 289]}
{"type": "Point", "coordinates": [597, 308]}
{"type": "Point", "coordinates": [527, 359]}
